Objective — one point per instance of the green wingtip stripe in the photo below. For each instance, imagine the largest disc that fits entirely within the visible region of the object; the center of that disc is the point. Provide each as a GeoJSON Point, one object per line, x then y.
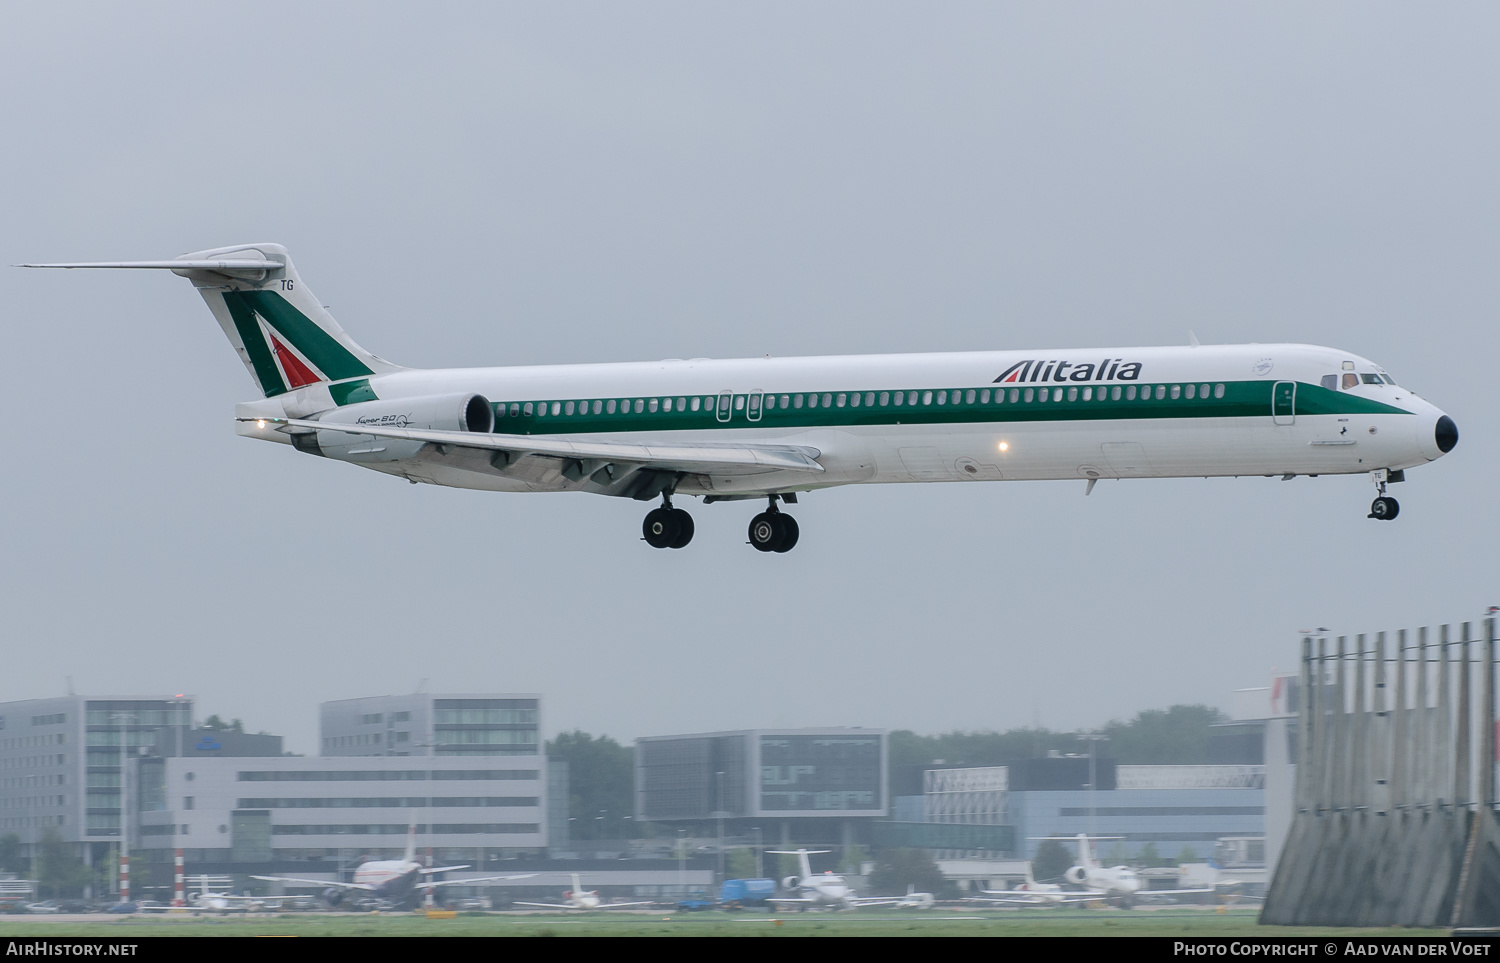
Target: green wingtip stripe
{"type": "Point", "coordinates": [334, 360]}
{"type": "Point", "coordinates": [254, 341]}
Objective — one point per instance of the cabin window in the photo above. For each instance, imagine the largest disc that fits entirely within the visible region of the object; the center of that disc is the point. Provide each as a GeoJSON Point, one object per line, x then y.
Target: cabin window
{"type": "Point", "coordinates": [854, 400]}
{"type": "Point", "coordinates": [911, 397]}
{"type": "Point", "coordinates": [900, 398]}
{"type": "Point", "coordinates": [1202, 391]}
{"type": "Point", "coordinates": [682, 404]}
{"type": "Point", "coordinates": [1176, 392]}
{"type": "Point", "coordinates": [843, 399]}
{"type": "Point", "coordinates": [942, 397]}
{"type": "Point", "coordinates": [984, 397]}
{"type": "Point", "coordinates": [1057, 394]}
{"type": "Point", "coordinates": [1072, 394]}
{"type": "Point", "coordinates": [528, 409]}
{"type": "Point", "coordinates": [1030, 393]}
{"type": "Point", "coordinates": [1218, 391]}
{"type": "Point", "coordinates": [598, 407]}
{"type": "Point", "coordinates": [969, 397]}
{"type": "Point", "coordinates": [1161, 392]}
{"type": "Point", "coordinates": [1129, 393]}
{"type": "Point", "coordinates": [557, 407]}
{"type": "Point", "coordinates": [739, 402]}
{"type": "Point", "coordinates": [786, 400]}
{"type": "Point", "coordinates": [770, 402]}
{"type": "Point", "coordinates": [640, 405]}
{"type": "Point", "coordinates": [1088, 394]}
{"type": "Point", "coordinates": [696, 403]}
{"type": "Point", "coordinates": [869, 398]}
{"type": "Point", "coordinates": [812, 401]}
{"type": "Point", "coordinates": [1351, 380]}
{"type": "Point", "coordinates": [885, 398]}
{"type": "Point", "coordinates": [827, 399]}
{"type": "Point", "coordinates": [610, 407]}
{"type": "Point", "coordinates": [500, 410]}
{"type": "Point", "coordinates": [796, 401]}
{"type": "Point", "coordinates": [927, 398]}
{"type": "Point", "coordinates": [1192, 390]}
{"type": "Point", "coordinates": [570, 408]}
{"type": "Point", "coordinates": [655, 404]}
{"type": "Point", "coordinates": [666, 404]}
{"type": "Point", "coordinates": [1015, 393]}
{"type": "Point", "coordinates": [515, 409]}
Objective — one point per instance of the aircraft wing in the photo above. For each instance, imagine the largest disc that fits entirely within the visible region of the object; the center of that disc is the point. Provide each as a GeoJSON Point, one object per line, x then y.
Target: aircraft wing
{"type": "Point", "coordinates": [556, 906]}
{"type": "Point", "coordinates": [473, 880]}
{"type": "Point", "coordinates": [673, 456]}
{"type": "Point", "coordinates": [316, 882]}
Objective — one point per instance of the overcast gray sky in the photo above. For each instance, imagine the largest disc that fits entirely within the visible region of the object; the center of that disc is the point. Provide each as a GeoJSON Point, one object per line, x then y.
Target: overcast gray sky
{"type": "Point", "coordinates": [567, 182]}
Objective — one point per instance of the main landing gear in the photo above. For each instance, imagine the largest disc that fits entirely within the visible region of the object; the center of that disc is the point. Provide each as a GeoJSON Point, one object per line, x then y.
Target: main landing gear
{"type": "Point", "coordinates": [667, 527]}
{"type": "Point", "coordinates": [1384, 507]}
{"type": "Point", "coordinates": [773, 531]}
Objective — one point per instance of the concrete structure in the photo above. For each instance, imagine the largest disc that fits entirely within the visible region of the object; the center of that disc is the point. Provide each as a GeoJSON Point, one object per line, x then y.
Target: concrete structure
{"type": "Point", "coordinates": [294, 810]}
{"type": "Point", "coordinates": [1173, 808]}
{"type": "Point", "coordinates": [432, 725]}
{"type": "Point", "coordinates": [63, 762]}
{"type": "Point", "coordinates": [1395, 821]}
{"type": "Point", "coordinates": [793, 785]}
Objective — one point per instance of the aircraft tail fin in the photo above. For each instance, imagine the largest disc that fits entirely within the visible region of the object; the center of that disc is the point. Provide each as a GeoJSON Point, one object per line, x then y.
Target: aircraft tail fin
{"type": "Point", "coordinates": [285, 337]}
{"type": "Point", "coordinates": [411, 843]}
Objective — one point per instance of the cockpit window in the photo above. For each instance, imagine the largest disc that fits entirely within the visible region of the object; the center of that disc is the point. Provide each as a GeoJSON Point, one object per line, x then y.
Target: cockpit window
{"type": "Point", "coordinates": [1371, 379]}
{"type": "Point", "coordinates": [1331, 382]}
{"type": "Point", "coordinates": [1388, 379]}
{"type": "Point", "coordinates": [1351, 380]}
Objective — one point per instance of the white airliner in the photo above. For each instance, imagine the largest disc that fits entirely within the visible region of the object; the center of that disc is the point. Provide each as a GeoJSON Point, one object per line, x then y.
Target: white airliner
{"type": "Point", "coordinates": [770, 428]}
{"type": "Point", "coordinates": [223, 903]}
{"type": "Point", "coordinates": [579, 898]}
{"type": "Point", "coordinates": [827, 890]}
{"type": "Point", "coordinates": [402, 881]}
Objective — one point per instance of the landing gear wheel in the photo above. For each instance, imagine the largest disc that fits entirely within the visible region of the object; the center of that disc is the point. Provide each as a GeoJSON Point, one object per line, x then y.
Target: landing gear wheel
{"type": "Point", "coordinates": [766, 534]}
{"type": "Point", "coordinates": [1384, 508]}
{"type": "Point", "coordinates": [662, 527]}
{"type": "Point", "coordinates": [789, 532]}
{"type": "Point", "coordinates": [684, 528]}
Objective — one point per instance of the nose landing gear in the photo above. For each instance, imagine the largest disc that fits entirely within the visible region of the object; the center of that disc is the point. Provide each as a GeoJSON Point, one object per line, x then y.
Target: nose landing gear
{"type": "Point", "coordinates": [1384, 507]}
{"type": "Point", "coordinates": [773, 530]}
{"type": "Point", "coordinates": [667, 527]}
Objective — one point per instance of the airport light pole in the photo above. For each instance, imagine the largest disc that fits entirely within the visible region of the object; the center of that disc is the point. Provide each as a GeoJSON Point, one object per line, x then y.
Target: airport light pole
{"type": "Point", "coordinates": [1093, 738]}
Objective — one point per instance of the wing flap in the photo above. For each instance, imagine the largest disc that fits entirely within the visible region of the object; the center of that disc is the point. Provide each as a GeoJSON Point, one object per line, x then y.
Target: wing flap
{"type": "Point", "coordinates": [678, 457]}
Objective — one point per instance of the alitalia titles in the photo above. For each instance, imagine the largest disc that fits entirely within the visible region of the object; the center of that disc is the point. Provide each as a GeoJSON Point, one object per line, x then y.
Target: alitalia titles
{"type": "Point", "coordinates": [1032, 370]}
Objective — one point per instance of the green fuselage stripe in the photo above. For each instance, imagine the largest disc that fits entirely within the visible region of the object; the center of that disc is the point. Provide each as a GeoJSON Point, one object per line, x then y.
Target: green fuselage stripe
{"type": "Point", "coordinates": [255, 345]}
{"type": "Point", "coordinates": [1244, 399]}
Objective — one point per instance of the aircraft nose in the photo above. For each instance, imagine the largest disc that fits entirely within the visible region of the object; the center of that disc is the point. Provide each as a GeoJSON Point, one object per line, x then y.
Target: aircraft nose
{"type": "Point", "coordinates": [1445, 434]}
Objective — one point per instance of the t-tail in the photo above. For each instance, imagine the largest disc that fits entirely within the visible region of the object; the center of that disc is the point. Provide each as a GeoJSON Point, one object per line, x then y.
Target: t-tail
{"type": "Point", "coordinates": [1086, 853]}
{"type": "Point", "coordinates": [287, 340]}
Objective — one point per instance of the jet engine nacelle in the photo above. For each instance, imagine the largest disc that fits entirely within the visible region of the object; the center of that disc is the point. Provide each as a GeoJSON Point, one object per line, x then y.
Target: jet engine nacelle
{"type": "Point", "coordinates": [333, 896]}
{"type": "Point", "coordinates": [460, 412]}
{"type": "Point", "coordinates": [1077, 875]}
{"type": "Point", "coordinates": [791, 882]}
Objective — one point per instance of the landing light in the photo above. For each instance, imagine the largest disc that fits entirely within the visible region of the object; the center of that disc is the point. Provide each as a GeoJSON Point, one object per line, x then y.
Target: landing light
{"type": "Point", "coordinates": [260, 423]}
{"type": "Point", "coordinates": [1005, 446]}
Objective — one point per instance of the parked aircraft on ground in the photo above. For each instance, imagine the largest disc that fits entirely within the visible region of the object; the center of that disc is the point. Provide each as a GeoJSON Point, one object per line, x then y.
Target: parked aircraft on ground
{"type": "Point", "coordinates": [770, 429]}
{"type": "Point", "coordinates": [579, 898]}
{"type": "Point", "coordinates": [826, 890]}
{"type": "Point", "coordinates": [402, 881]}
{"type": "Point", "coordinates": [207, 901]}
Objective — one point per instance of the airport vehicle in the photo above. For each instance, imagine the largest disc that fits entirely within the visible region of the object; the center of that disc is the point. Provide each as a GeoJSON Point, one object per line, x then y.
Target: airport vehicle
{"type": "Point", "coordinates": [827, 890]}
{"type": "Point", "coordinates": [729, 430]}
{"type": "Point", "coordinates": [915, 900]}
{"type": "Point", "coordinates": [735, 894]}
{"type": "Point", "coordinates": [402, 881]}
{"type": "Point", "coordinates": [579, 898]}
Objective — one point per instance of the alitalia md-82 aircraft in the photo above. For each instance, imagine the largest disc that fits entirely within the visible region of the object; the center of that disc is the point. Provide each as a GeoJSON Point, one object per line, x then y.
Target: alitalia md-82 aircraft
{"type": "Point", "coordinates": [769, 428]}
